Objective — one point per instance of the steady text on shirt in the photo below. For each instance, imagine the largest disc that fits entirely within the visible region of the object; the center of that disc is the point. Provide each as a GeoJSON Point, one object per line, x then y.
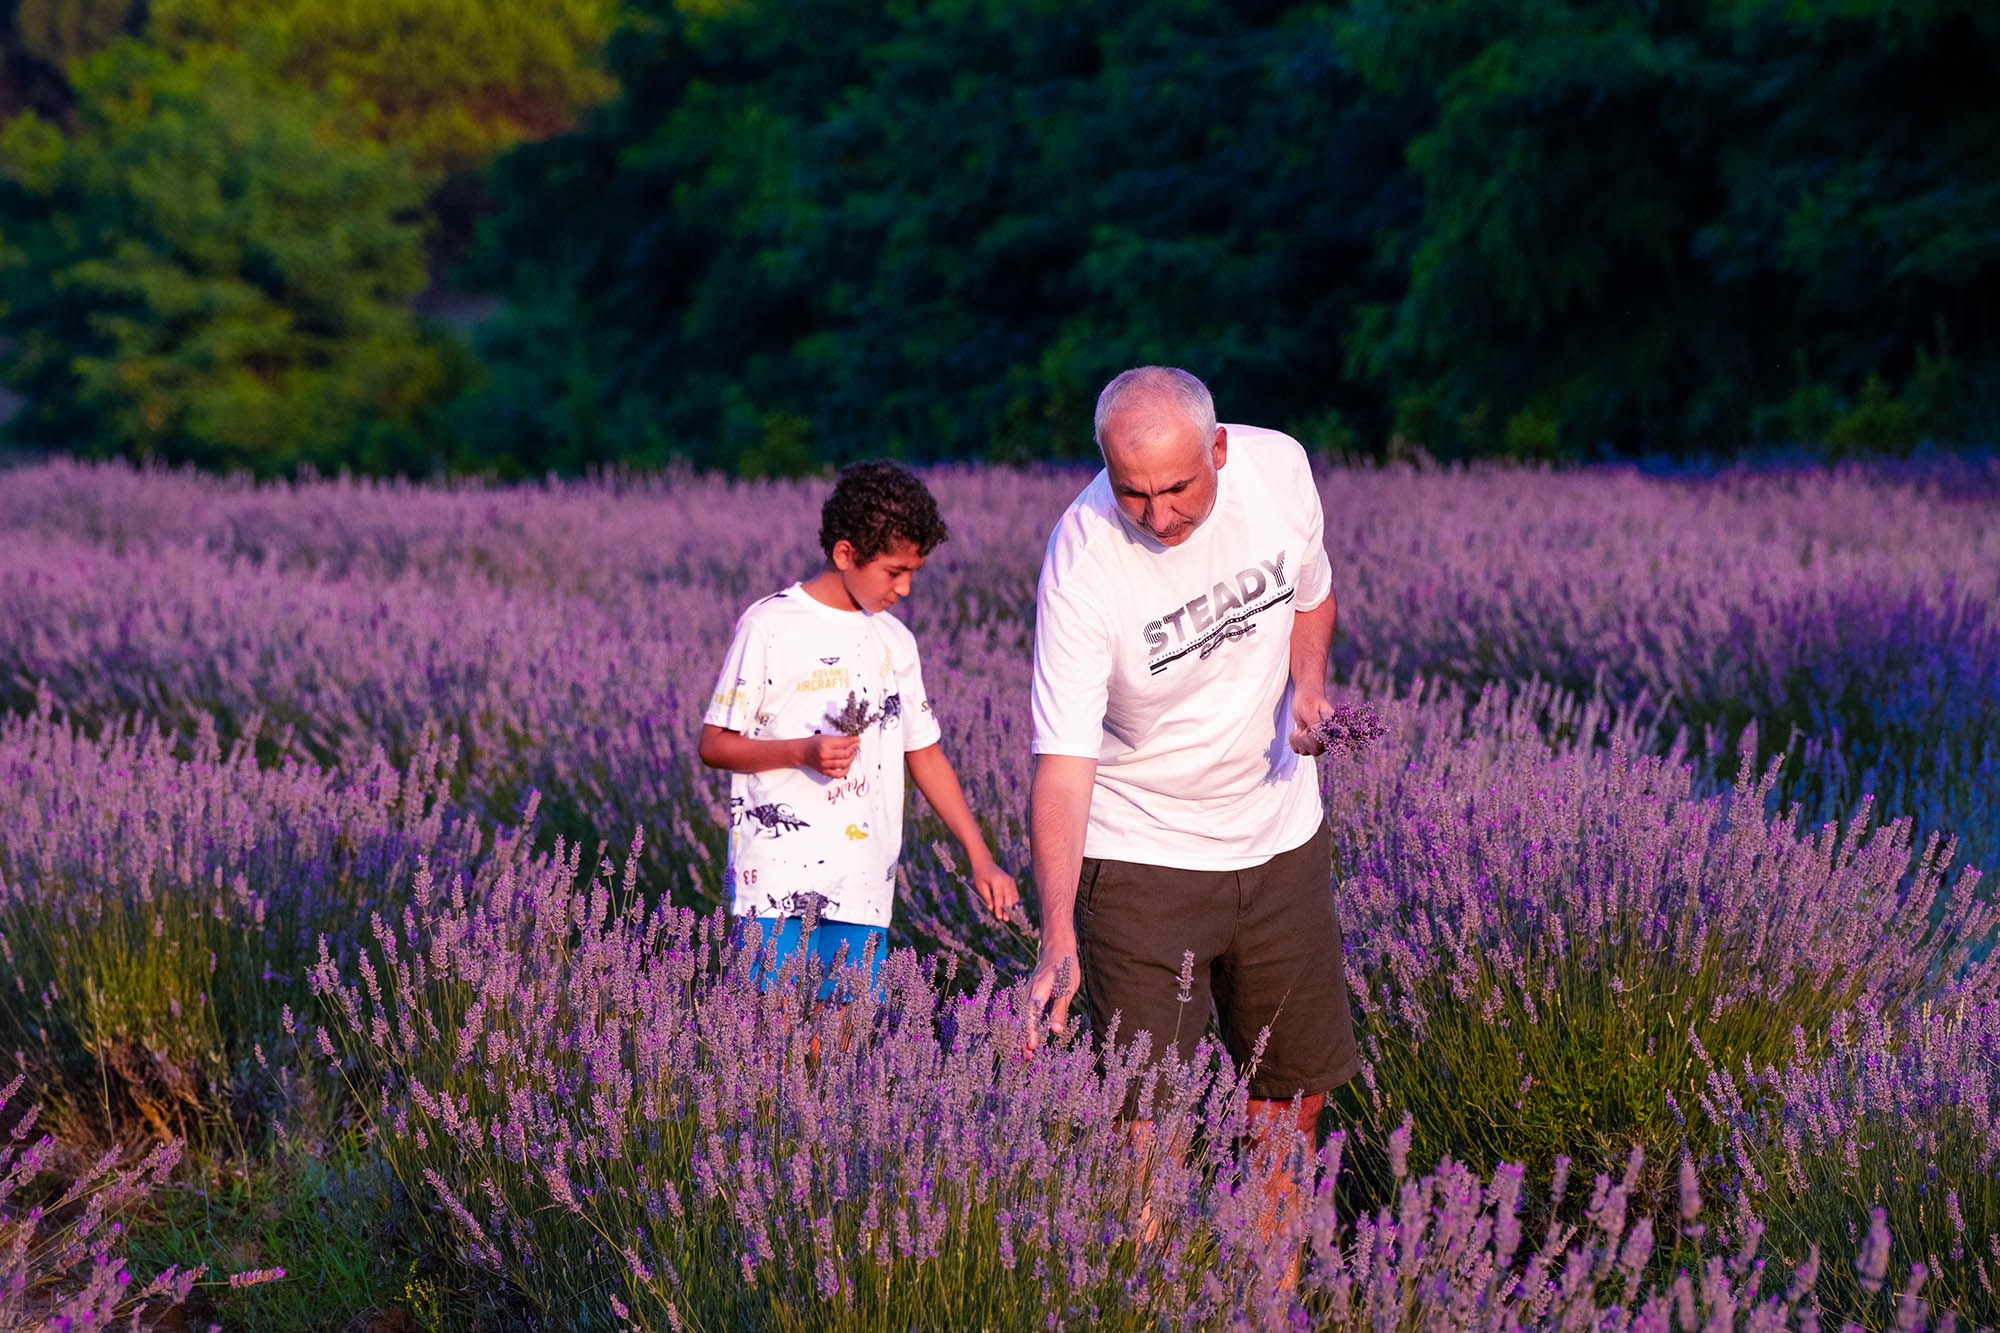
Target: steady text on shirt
{"type": "Point", "coordinates": [1223, 613]}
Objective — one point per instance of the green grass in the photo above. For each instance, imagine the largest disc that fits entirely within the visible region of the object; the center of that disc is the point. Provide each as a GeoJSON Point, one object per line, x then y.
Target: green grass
{"type": "Point", "coordinates": [329, 1214]}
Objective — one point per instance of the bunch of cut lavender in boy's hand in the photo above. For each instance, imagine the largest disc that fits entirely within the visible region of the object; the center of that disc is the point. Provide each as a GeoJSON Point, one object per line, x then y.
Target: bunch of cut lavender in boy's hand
{"type": "Point", "coordinates": [1348, 729]}
{"type": "Point", "coordinates": [853, 719]}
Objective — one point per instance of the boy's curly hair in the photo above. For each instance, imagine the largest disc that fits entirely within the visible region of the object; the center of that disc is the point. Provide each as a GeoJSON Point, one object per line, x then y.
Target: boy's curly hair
{"type": "Point", "coordinates": [876, 504]}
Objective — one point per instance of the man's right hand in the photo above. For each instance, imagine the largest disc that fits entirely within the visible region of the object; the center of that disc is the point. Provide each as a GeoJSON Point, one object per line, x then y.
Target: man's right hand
{"type": "Point", "coordinates": [1051, 989]}
{"type": "Point", "coordinates": [832, 755]}
{"type": "Point", "coordinates": [1058, 815]}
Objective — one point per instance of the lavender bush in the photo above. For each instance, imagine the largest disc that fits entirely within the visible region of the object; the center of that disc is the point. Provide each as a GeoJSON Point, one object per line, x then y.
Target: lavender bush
{"type": "Point", "coordinates": [608, 1111]}
{"type": "Point", "coordinates": [1896, 1112]}
{"type": "Point", "coordinates": [62, 1262]}
{"type": "Point", "coordinates": [613, 1116]}
{"type": "Point", "coordinates": [1850, 607]}
{"type": "Point", "coordinates": [160, 903]}
{"type": "Point", "coordinates": [1543, 940]}
{"type": "Point", "coordinates": [405, 718]}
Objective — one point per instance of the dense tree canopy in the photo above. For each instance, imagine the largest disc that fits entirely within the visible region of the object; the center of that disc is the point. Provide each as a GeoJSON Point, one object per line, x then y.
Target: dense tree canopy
{"type": "Point", "coordinates": [811, 230]}
{"type": "Point", "coordinates": [39, 39]}
{"type": "Point", "coordinates": [815, 230]}
{"type": "Point", "coordinates": [450, 81]}
{"type": "Point", "coordinates": [213, 268]}
{"type": "Point", "coordinates": [797, 231]}
{"type": "Point", "coordinates": [1687, 223]}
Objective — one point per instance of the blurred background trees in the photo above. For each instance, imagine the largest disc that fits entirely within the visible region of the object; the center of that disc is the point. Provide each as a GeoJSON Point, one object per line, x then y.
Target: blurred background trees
{"type": "Point", "coordinates": [207, 268]}
{"type": "Point", "coordinates": [768, 234]}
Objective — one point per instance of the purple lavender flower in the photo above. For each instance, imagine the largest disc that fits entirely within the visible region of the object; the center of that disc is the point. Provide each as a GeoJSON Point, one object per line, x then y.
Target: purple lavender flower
{"type": "Point", "coordinates": [1349, 729]}
{"type": "Point", "coordinates": [853, 718]}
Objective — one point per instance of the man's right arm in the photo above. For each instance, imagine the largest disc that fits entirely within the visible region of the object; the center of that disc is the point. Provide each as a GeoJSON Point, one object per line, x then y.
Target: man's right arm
{"type": "Point", "coordinates": [1058, 814]}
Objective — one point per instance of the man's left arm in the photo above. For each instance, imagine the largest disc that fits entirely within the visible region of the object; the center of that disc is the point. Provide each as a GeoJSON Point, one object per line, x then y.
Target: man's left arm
{"type": "Point", "coordinates": [1312, 639]}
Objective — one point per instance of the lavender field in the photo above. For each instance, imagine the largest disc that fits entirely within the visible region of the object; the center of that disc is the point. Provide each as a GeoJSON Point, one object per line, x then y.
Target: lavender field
{"type": "Point", "coordinates": [362, 966]}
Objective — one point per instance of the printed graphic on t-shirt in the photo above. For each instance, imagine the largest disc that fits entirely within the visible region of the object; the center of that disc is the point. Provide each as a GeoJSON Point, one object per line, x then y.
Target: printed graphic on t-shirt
{"type": "Point", "coordinates": [774, 817]}
{"type": "Point", "coordinates": [1223, 614]}
{"type": "Point", "coordinates": [799, 668]}
{"type": "Point", "coordinates": [1171, 667]}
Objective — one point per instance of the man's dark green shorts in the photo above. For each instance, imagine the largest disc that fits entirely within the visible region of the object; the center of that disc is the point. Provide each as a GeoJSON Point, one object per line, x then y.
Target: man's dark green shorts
{"type": "Point", "coordinates": [1267, 952]}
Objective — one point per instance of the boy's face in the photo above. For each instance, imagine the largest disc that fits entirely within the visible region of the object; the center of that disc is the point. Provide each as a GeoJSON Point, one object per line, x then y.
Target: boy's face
{"type": "Point", "coordinates": [882, 582]}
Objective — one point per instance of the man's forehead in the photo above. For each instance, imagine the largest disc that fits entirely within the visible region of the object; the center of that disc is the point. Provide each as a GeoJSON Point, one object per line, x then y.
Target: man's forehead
{"type": "Point", "coordinates": [1150, 422]}
{"type": "Point", "coordinates": [1154, 461]}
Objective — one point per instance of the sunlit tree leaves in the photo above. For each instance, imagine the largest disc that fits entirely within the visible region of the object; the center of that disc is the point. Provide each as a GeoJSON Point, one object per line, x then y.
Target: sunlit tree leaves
{"type": "Point", "coordinates": [213, 267]}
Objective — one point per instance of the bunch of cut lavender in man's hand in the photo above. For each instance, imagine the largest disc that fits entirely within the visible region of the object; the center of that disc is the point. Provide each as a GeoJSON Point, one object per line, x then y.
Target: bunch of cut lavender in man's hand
{"type": "Point", "coordinates": [1349, 729]}
{"type": "Point", "coordinates": [853, 719]}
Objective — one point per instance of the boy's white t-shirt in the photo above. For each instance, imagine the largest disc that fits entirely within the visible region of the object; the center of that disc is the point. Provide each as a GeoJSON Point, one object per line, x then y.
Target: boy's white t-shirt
{"type": "Point", "coordinates": [1171, 666]}
{"type": "Point", "coordinates": [794, 831]}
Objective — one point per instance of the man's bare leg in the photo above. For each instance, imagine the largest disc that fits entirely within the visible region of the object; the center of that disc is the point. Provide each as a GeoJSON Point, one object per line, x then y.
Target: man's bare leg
{"type": "Point", "coordinates": [1144, 1154]}
{"type": "Point", "coordinates": [1271, 1124]}
{"type": "Point", "coordinates": [1268, 1118]}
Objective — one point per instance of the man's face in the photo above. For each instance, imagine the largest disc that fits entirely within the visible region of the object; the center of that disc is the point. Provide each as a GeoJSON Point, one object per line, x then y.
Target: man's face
{"type": "Point", "coordinates": [1162, 469]}
{"type": "Point", "coordinates": [880, 583]}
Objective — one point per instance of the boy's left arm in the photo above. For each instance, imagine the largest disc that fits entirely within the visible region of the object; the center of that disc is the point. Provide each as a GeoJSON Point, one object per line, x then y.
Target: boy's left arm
{"type": "Point", "coordinates": [934, 777]}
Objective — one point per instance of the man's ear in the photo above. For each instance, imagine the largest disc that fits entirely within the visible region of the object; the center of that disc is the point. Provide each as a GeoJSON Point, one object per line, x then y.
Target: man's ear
{"type": "Point", "coordinates": [842, 555]}
{"type": "Point", "coordinates": [1221, 452]}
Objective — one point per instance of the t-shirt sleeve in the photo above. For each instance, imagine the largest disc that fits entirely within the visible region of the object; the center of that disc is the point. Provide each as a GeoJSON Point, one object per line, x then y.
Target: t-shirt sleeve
{"type": "Point", "coordinates": [1072, 679]}
{"type": "Point", "coordinates": [920, 724]}
{"type": "Point", "coordinates": [1315, 569]}
{"type": "Point", "coordinates": [740, 687]}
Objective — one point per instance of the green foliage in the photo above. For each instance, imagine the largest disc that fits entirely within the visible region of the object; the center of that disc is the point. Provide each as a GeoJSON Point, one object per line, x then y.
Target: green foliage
{"type": "Point", "coordinates": [822, 230]}
{"type": "Point", "coordinates": [322, 1207]}
{"type": "Point", "coordinates": [450, 81]}
{"type": "Point", "coordinates": [1592, 1072]}
{"type": "Point", "coordinates": [62, 31]}
{"type": "Point", "coordinates": [1643, 223]}
{"type": "Point", "coordinates": [40, 39]}
{"type": "Point", "coordinates": [1540, 229]}
{"type": "Point", "coordinates": [148, 1014]}
{"type": "Point", "coordinates": [214, 269]}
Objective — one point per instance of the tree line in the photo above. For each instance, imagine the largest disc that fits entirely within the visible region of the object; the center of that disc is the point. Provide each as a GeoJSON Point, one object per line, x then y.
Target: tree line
{"type": "Point", "coordinates": [765, 235]}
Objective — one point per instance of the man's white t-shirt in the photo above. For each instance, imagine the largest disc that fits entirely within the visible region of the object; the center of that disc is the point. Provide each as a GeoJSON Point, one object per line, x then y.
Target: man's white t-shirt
{"type": "Point", "coordinates": [795, 831]}
{"type": "Point", "coordinates": [1171, 666]}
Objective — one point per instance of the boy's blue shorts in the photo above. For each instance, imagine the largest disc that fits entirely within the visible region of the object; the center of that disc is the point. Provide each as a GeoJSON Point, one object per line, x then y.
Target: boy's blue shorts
{"type": "Point", "coordinates": [829, 941]}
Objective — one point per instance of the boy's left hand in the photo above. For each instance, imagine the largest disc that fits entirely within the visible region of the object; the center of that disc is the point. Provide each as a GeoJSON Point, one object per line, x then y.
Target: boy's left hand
{"type": "Point", "coordinates": [995, 888]}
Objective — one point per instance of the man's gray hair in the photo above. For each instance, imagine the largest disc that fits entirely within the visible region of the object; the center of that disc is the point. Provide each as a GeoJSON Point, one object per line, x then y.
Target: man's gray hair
{"type": "Point", "coordinates": [1187, 392]}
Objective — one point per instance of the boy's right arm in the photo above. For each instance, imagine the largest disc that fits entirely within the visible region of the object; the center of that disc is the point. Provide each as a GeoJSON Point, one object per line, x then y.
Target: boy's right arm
{"type": "Point", "coordinates": [737, 753]}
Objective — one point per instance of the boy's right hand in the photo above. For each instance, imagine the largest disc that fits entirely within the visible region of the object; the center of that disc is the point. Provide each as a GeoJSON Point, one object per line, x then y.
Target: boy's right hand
{"type": "Point", "coordinates": [832, 755]}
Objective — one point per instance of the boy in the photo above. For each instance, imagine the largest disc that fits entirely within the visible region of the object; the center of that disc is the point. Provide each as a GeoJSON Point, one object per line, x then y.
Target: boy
{"type": "Point", "coordinates": [819, 705]}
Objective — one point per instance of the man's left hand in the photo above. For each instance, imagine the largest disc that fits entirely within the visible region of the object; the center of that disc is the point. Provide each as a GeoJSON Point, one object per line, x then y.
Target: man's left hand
{"type": "Point", "coordinates": [1307, 711]}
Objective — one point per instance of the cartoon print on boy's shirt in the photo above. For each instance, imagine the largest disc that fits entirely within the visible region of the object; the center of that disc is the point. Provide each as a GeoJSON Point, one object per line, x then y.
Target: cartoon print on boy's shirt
{"type": "Point", "coordinates": [892, 711]}
{"type": "Point", "coordinates": [775, 818]}
{"type": "Point", "coordinates": [808, 903]}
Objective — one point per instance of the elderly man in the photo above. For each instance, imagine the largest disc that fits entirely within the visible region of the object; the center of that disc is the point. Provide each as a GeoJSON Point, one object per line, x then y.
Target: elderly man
{"type": "Point", "coordinates": [1181, 633]}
